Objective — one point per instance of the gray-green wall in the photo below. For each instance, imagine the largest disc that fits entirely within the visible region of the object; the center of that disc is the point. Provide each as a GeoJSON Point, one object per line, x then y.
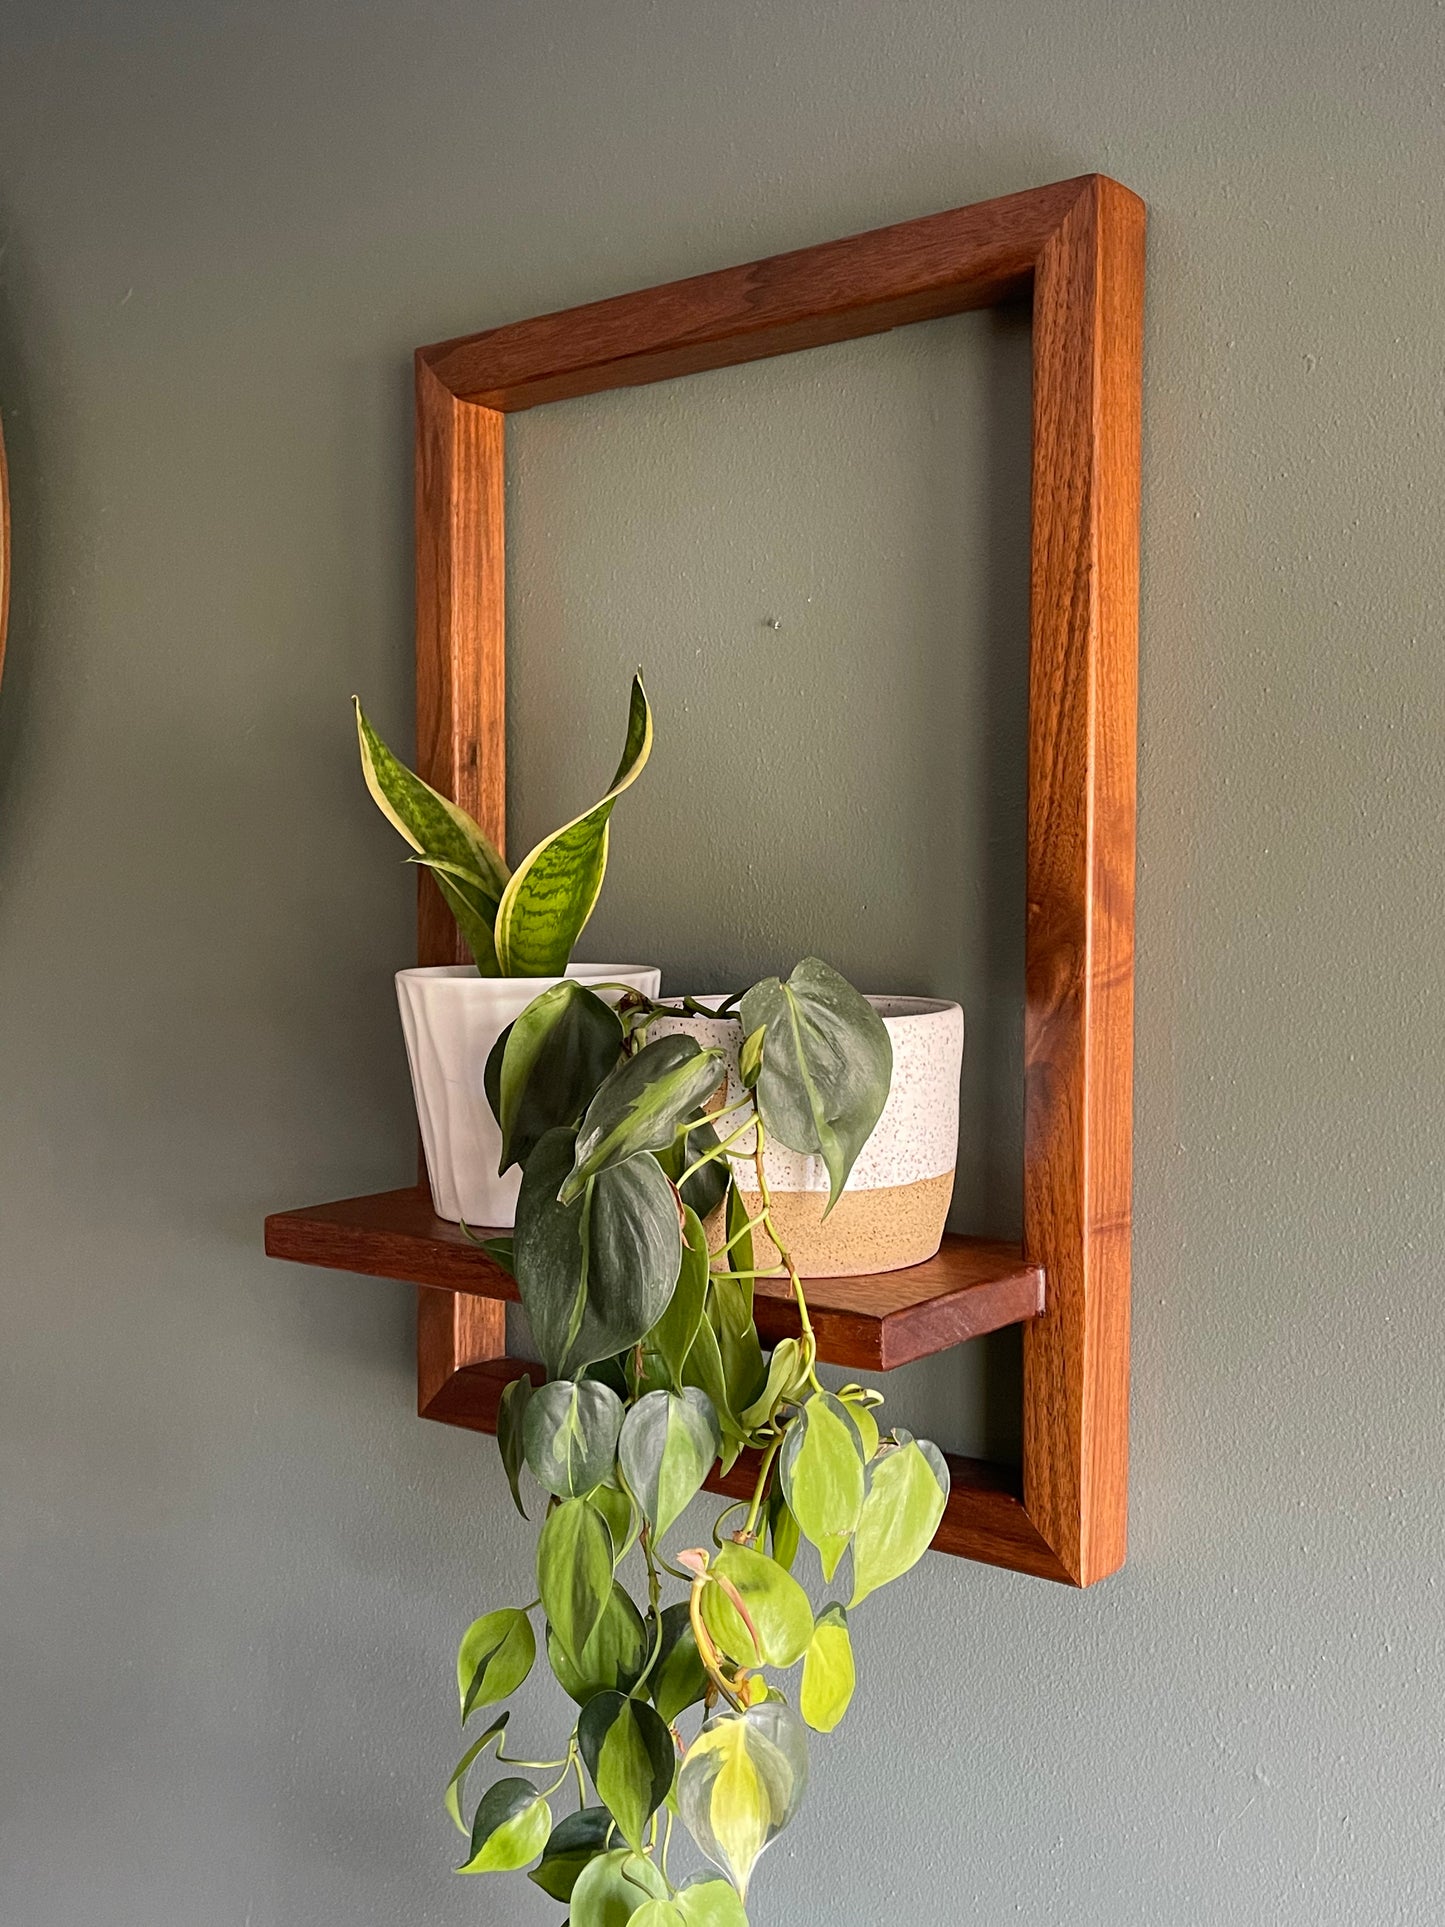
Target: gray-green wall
{"type": "Point", "coordinates": [232, 1563]}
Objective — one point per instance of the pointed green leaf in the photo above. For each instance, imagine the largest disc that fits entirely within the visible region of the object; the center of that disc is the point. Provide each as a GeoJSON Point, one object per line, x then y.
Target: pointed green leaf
{"type": "Point", "coordinates": [678, 1680]}
{"type": "Point", "coordinates": [787, 1375]}
{"type": "Point", "coordinates": [671, 1338]}
{"type": "Point", "coordinates": [614, 1656]}
{"type": "Point", "coordinates": [623, 1521]}
{"type": "Point", "coordinates": [574, 1572]}
{"type": "Point", "coordinates": [630, 1755]}
{"type": "Point", "coordinates": [511, 1828]}
{"type": "Point", "coordinates": [571, 1435]}
{"type": "Point", "coordinates": [495, 1656]}
{"type": "Point", "coordinates": [826, 1068]}
{"type": "Point", "coordinates": [611, 1889]}
{"type": "Point", "coordinates": [457, 1784]}
{"type": "Point", "coordinates": [729, 1311]}
{"type": "Point", "coordinates": [438, 830]}
{"type": "Point", "coordinates": [750, 1058]}
{"type": "Point", "coordinates": [545, 906]}
{"type": "Point", "coordinates": [706, 1187]}
{"type": "Point", "coordinates": [820, 1468]}
{"type": "Point", "coordinates": [549, 1251]}
{"type": "Point", "coordinates": [828, 1673]}
{"type": "Point", "coordinates": [511, 1419]}
{"type": "Point", "coordinates": [907, 1493]}
{"type": "Point", "coordinates": [706, 1901]}
{"type": "Point", "coordinates": [704, 1368]}
{"type": "Point", "coordinates": [864, 1423]}
{"type": "Point", "coordinates": [575, 1843]}
{"type": "Point", "coordinates": [784, 1536]}
{"type": "Point", "coordinates": [553, 1059]}
{"type": "Point", "coordinates": [776, 1604]}
{"type": "Point", "coordinates": [740, 1242]}
{"type": "Point", "coordinates": [741, 1783]}
{"type": "Point", "coordinates": [642, 1105]}
{"type": "Point", "coordinates": [669, 1444]}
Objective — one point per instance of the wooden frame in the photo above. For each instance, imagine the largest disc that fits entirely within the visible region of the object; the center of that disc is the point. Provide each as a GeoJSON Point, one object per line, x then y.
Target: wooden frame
{"type": "Point", "coordinates": [1077, 249]}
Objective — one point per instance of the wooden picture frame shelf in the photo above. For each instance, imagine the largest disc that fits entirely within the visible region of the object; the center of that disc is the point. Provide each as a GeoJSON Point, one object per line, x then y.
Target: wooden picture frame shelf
{"type": "Point", "coordinates": [1076, 250]}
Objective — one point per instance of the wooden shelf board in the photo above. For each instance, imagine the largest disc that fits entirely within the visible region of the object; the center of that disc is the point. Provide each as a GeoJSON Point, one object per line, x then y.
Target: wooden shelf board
{"type": "Point", "coordinates": [872, 1323]}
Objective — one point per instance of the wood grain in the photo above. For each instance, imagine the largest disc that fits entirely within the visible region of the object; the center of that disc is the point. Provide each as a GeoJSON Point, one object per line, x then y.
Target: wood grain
{"type": "Point", "coordinates": [872, 1324]}
{"type": "Point", "coordinates": [971, 257]}
{"type": "Point", "coordinates": [1079, 946]}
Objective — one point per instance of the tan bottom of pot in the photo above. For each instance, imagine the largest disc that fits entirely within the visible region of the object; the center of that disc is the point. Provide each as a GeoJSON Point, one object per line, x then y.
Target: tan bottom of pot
{"type": "Point", "coordinates": [881, 1230]}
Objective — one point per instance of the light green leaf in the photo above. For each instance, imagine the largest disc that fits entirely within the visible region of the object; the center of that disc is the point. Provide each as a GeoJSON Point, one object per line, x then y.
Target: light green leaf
{"type": "Point", "coordinates": [474, 877]}
{"type": "Point", "coordinates": [574, 1572]}
{"type": "Point", "coordinates": [786, 1376]}
{"type": "Point", "coordinates": [571, 1435]}
{"type": "Point", "coordinates": [907, 1493]}
{"type": "Point", "coordinates": [456, 1785]}
{"type": "Point", "coordinates": [820, 1468]}
{"type": "Point", "coordinates": [612, 1888]}
{"type": "Point", "coordinates": [827, 1065]}
{"type": "Point", "coordinates": [595, 1276]}
{"type": "Point", "coordinates": [750, 1058]}
{"type": "Point", "coordinates": [553, 1059]}
{"type": "Point", "coordinates": [776, 1604]}
{"type": "Point", "coordinates": [630, 1755]}
{"type": "Point", "coordinates": [511, 1828]}
{"type": "Point", "coordinates": [740, 1242]}
{"type": "Point", "coordinates": [623, 1519]}
{"type": "Point", "coordinates": [784, 1536]}
{"type": "Point", "coordinates": [658, 1913]}
{"type": "Point", "coordinates": [668, 1446]}
{"type": "Point", "coordinates": [495, 1656]}
{"type": "Point", "coordinates": [671, 1338]}
{"type": "Point", "coordinates": [614, 1656]}
{"type": "Point", "coordinates": [575, 1843]}
{"type": "Point", "coordinates": [511, 1420]}
{"type": "Point", "coordinates": [678, 1680]}
{"type": "Point", "coordinates": [864, 1423]}
{"type": "Point", "coordinates": [828, 1672]}
{"type": "Point", "coordinates": [642, 1104]}
{"type": "Point", "coordinates": [706, 1901]}
{"type": "Point", "coordinates": [741, 1783]}
{"type": "Point", "coordinates": [554, 889]}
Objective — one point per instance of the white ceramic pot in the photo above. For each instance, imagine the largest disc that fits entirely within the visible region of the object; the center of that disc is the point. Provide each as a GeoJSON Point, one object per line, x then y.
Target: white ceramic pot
{"type": "Point", "coordinates": [893, 1208]}
{"type": "Point", "coordinates": [451, 1018]}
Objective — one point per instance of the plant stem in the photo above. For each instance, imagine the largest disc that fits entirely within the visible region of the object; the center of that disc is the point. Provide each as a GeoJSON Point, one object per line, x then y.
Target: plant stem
{"type": "Point", "coordinates": [810, 1342]}
{"type": "Point", "coordinates": [750, 1524]}
{"type": "Point", "coordinates": [654, 1600]}
{"type": "Point", "coordinates": [718, 1150]}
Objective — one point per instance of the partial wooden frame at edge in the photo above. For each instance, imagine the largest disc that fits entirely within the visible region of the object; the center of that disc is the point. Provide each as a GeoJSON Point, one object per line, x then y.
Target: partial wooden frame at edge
{"type": "Point", "coordinates": [1077, 250]}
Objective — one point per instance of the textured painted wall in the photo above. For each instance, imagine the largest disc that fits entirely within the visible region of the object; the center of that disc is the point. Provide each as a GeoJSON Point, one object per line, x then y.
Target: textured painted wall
{"type": "Point", "coordinates": [232, 1565]}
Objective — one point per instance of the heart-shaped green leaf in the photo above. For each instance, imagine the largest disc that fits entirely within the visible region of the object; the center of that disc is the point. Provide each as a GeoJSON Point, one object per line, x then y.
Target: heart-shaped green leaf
{"type": "Point", "coordinates": [574, 1572]}
{"type": "Point", "coordinates": [457, 1784]}
{"type": "Point", "coordinates": [671, 1338]}
{"type": "Point", "coordinates": [511, 1828]}
{"type": "Point", "coordinates": [549, 1064]}
{"type": "Point", "coordinates": [495, 1656]}
{"type": "Point", "coordinates": [828, 1672]}
{"type": "Point", "coordinates": [775, 1603]}
{"type": "Point", "coordinates": [614, 1656]}
{"type": "Point", "coordinates": [641, 1106]}
{"type": "Point", "coordinates": [827, 1064]}
{"type": "Point", "coordinates": [820, 1468]}
{"type": "Point", "coordinates": [575, 1843]}
{"type": "Point", "coordinates": [741, 1783]}
{"type": "Point", "coordinates": [571, 1435]}
{"type": "Point", "coordinates": [613, 1888]}
{"type": "Point", "coordinates": [907, 1493]}
{"type": "Point", "coordinates": [594, 1276]}
{"type": "Point", "coordinates": [631, 1757]}
{"type": "Point", "coordinates": [554, 889]}
{"type": "Point", "coordinates": [678, 1680]}
{"type": "Point", "coordinates": [669, 1444]}
{"type": "Point", "coordinates": [706, 1901]}
{"type": "Point", "coordinates": [469, 872]}
{"type": "Point", "coordinates": [511, 1421]}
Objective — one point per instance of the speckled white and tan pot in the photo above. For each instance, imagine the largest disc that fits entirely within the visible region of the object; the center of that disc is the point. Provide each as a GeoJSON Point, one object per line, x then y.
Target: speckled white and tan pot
{"type": "Point", "coordinates": [893, 1207]}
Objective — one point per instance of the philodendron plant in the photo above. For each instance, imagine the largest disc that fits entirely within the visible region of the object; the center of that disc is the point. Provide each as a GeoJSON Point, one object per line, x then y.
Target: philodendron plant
{"type": "Point", "coordinates": [633, 1253]}
{"type": "Point", "coordinates": [516, 923]}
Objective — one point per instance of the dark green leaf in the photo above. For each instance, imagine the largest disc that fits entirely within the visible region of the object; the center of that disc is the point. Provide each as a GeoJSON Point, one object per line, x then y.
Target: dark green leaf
{"type": "Point", "coordinates": [740, 1254]}
{"type": "Point", "coordinates": [642, 1104]}
{"type": "Point", "coordinates": [704, 1369]}
{"type": "Point", "coordinates": [826, 1068]}
{"type": "Point", "coordinates": [631, 1757]}
{"type": "Point", "coordinates": [671, 1338]}
{"type": "Point", "coordinates": [495, 1656]}
{"type": "Point", "coordinates": [706, 1188]}
{"type": "Point", "coordinates": [574, 1572]}
{"type": "Point", "coordinates": [678, 1680]}
{"type": "Point", "coordinates": [612, 1888]}
{"type": "Point", "coordinates": [575, 1843]}
{"type": "Point", "coordinates": [614, 1656]}
{"type": "Point", "coordinates": [551, 1272]}
{"type": "Point", "coordinates": [571, 1436]}
{"type": "Point", "coordinates": [729, 1310]}
{"type": "Point", "coordinates": [783, 1534]}
{"type": "Point", "coordinates": [511, 1419]}
{"type": "Point", "coordinates": [669, 1444]}
{"type": "Point", "coordinates": [511, 1828]}
{"type": "Point", "coordinates": [556, 1054]}
{"type": "Point", "coordinates": [820, 1469]}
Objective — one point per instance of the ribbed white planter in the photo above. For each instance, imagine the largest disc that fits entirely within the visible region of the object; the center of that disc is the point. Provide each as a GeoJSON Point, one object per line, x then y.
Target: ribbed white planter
{"type": "Point", "coordinates": [451, 1018]}
{"type": "Point", "coordinates": [893, 1208]}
